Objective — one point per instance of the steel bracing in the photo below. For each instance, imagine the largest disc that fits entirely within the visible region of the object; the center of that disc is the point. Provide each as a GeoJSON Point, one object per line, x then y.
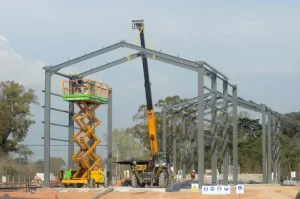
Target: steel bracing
{"type": "Point", "coordinates": [203, 106]}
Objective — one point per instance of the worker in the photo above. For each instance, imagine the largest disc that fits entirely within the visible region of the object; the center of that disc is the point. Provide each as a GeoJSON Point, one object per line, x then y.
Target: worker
{"type": "Point", "coordinates": [193, 175]}
{"type": "Point", "coordinates": [75, 84]}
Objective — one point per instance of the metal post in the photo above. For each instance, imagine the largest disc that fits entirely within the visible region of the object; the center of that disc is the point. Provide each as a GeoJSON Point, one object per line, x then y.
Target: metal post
{"type": "Point", "coordinates": [213, 146]}
{"type": "Point", "coordinates": [201, 126]}
{"type": "Point", "coordinates": [70, 135]}
{"type": "Point", "coordinates": [274, 146]}
{"type": "Point", "coordinates": [183, 141]}
{"type": "Point", "coordinates": [279, 151]}
{"type": "Point", "coordinates": [264, 145]}
{"type": "Point", "coordinates": [269, 148]}
{"type": "Point", "coordinates": [225, 134]}
{"type": "Point", "coordinates": [174, 144]}
{"type": "Point", "coordinates": [235, 135]}
{"type": "Point", "coordinates": [47, 114]}
{"type": "Point", "coordinates": [109, 138]}
{"type": "Point", "coordinates": [164, 136]}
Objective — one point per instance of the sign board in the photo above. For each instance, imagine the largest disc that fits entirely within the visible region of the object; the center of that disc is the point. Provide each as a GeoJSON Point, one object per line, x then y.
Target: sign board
{"type": "Point", "coordinates": [293, 174]}
{"type": "Point", "coordinates": [213, 190]}
{"type": "Point", "coordinates": [194, 188]}
{"type": "Point", "coordinates": [239, 189]}
{"type": "Point", "coordinates": [3, 179]}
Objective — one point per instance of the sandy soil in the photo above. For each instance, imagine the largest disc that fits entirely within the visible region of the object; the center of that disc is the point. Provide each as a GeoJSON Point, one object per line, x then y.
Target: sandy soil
{"type": "Point", "coordinates": [251, 192]}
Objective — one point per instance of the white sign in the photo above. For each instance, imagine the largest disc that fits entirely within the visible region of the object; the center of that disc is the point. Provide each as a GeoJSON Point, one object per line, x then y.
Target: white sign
{"type": "Point", "coordinates": [212, 190]}
{"type": "Point", "coordinates": [4, 179]}
{"type": "Point", "coordinates": [293, 174]}
{"type": "Point", "coordinates": [194, 188]}
{"type": "Point", "coordinates": [239, 189]}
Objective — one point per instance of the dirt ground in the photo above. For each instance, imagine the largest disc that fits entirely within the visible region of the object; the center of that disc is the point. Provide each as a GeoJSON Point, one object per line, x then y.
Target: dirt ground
{"type": "Point", "coordinates": [251, 192]}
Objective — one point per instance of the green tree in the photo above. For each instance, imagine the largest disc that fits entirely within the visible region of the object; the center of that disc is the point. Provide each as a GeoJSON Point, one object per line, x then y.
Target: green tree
{"type": "Point", "coordinates": [15, 115]}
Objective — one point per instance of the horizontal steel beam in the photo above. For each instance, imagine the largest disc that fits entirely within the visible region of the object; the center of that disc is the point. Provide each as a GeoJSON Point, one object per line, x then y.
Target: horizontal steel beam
{"type": "Point", "coordinates": [108, 65]}
{"type": "Point", "coordinates": [62, 74]}
{"type": "Point", "coordinates": [189, 101]}
{"type": "Point", "coordinates": [59, 110]}
{"type": "Point", "coordinates": [215, 70]}
{"type": "Point", "coordinates": [56, 139]}
{"type": "Point", "coordinates": [55, 94]}
{"type": "Point", "coordinates": [85, 57]}
{"type": "Point", "coordinates": [61, 125]}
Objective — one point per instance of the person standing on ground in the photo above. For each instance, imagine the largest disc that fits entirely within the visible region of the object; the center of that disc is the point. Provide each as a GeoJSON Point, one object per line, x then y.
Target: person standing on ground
{"type": "Point", "coordinates": [193, 175]}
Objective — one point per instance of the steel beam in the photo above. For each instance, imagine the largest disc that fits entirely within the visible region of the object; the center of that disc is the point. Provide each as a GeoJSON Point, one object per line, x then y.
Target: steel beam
{"type": "Point", "coordinates": [200, 125]}
{"type": "Point", "coordinates": [174, 122]}
{"type": "Point", "coordinates": [62, 74]}
{"type": "Point", "coordinates": [47, 114]}
{"type": "Point", "coordinates": [70, 135]}
{"type": "Point", "coordinates": [264, 144]}
{"type": "Point", "coordinates": [183, 143]}
{"type": "Point", "coordinates": [235, 135]}
{"type": "Point", "coordinates": [109, 137]}
{"type": "Point", "coordinates": [108, 65]}
{"type": "Point", "coordinates": [213, 146]}
{"type": "Point", "coordinates": [225, 134]}
{"type": "Point", "coordinates": [56, 68]}
{"type": "Point", "coordinates": [60, 125]}
{"type": "Point", "coordinates": [55, 94]}
{"type": "Point", "coordinates": [56, 139]}
{"type": "Point", "coordinates": [58, 110]}
{"type": "Point", "coordinates": [164, 135]}
{"type": "Point", "coordinates": [269, 148]}
{"type": "Point", "coordinates": [274, 147]}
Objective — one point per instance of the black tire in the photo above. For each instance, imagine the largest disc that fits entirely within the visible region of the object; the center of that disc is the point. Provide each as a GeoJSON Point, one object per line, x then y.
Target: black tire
{"type": "Point", "coordinates": [162, 179]}
{"type": "Point", "coordinates": [134, 181]}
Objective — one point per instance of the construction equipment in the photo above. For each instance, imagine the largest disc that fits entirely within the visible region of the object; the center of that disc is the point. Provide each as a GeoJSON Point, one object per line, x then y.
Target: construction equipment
{"type": "Point", "coordinates": [156, 171]}
{"type": "Point", "coordinates": [88, 96]}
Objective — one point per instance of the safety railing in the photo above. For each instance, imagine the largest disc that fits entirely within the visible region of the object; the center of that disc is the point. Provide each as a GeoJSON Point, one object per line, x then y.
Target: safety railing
{"type": "Point", "coordinates": [85, 86]}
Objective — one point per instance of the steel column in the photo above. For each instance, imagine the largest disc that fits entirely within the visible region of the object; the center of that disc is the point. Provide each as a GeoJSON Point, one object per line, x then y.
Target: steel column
{"type": "Point", "coordinates": [264, 144]}
{"type": "Point", "coordinates": [213, 146]}
{"type": "Point", "coordinates": [183, 141]}
{"type": "Point", "coordinates": [235, 135]}
{"type": "Point", "coordinates": [225, 134]}
{"type": "Point", "coordinates": [174, 143]}
{"type": "Point", "coordinates": [47, 115]}
{"type": "Point", "coordinates": [279, 151]}
{"type": "Point", "coordinates": [274, 146]}
{"type": "Point", "coordinates": [70, 136]}
{"type": "Point", "coordinates": [164, 135]}
{"type": "Point", "coordinates": [109, 138]}
{"type": "Point", "coordinates": [200, 124]}
{"type": "Point", "coordinates": [269, 148]}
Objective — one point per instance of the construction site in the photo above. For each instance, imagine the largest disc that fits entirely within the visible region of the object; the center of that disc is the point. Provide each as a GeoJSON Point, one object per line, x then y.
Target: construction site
{"type": "Point", "coordinates": [166, 173]}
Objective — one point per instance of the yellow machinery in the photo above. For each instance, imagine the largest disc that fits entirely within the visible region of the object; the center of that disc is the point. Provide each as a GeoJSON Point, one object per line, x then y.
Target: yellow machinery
{"type": "Point", "coordinates": [88, 96]}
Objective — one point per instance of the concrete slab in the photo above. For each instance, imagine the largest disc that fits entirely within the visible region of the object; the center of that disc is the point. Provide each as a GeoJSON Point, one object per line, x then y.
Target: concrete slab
{"type": "Point", "coordinates": [130, 189]}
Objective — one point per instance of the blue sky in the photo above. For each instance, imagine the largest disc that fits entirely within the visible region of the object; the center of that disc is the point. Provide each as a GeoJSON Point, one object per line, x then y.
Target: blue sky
{"type": "Point", "coordinates": [255, 43]}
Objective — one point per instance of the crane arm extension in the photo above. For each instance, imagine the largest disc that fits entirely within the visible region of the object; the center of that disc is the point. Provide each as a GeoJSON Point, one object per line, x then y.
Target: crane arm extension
{"type": "Point", "coordinates": [152, 132]}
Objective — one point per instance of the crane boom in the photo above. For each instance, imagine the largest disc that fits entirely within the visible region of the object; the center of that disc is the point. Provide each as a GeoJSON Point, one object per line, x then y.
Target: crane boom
{"type": "Point", "coordinates": [150, 112]}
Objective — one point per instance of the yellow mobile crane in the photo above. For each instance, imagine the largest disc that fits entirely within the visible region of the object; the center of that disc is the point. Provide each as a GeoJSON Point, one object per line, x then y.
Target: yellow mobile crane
{"type": "Point", "coordinates": [155, 171]}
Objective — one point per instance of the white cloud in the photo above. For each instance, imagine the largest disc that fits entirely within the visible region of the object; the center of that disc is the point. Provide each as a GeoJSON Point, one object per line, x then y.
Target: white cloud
{"type": "Point", "coordinates": [14, 67]}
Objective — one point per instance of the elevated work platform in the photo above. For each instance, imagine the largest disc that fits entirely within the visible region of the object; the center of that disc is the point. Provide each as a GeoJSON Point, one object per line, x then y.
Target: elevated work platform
{"type": "Point", "coordinates": [86, 90]}
{"type": "Point", "coordinates": [88, 96]}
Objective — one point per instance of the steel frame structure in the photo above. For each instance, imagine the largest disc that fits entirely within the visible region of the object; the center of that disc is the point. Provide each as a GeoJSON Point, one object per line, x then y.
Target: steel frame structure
{"type": "Point", "coordinates": [201, 68]}
{"type": "Point", "coordinates": [271, 147]}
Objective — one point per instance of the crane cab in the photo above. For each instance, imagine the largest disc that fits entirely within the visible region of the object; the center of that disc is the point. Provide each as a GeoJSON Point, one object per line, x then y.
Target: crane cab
{"type": "Point", "coordinates": [161, 159]}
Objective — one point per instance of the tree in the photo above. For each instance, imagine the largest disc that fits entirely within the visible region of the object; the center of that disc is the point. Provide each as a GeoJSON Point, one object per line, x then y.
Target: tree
{"type": "Point", "coordinates": [15, 115]}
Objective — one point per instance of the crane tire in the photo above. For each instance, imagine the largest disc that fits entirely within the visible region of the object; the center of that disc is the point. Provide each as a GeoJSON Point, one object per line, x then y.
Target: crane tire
{"type": "Point", "coordinates": [162, 179]}
{"type": "Point", "coordinates": [134, 182]}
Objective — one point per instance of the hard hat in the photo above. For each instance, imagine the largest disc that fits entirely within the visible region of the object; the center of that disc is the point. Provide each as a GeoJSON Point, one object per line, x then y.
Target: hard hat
{"type": "Point", "coordinates": [194, 171]}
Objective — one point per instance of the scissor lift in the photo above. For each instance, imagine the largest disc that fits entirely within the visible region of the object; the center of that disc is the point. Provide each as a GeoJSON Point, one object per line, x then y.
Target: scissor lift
{"type": "Point", "coordinates": [88, 96]}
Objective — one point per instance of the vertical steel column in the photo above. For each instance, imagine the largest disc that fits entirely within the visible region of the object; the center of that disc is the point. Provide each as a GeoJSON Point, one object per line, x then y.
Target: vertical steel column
{"type": "Point", "coordinates": [184, 135]}
{"type": "Point", "coordinates": [47, 115]}
{"type": "Point", "coordinates": [269, 148]}
{"type": "Point", "coordinates": [225, 134]}
{"type": "Point", "coordinates": [213, 146]}
{"type": "Point", "coordinates": [200, 124]}
{"type": "Point", "coordinates": [279, 151]}
{"type": "Point", "coordinates": [235, 135]}
{"type": "Point", "coordinates": [264, 144]}
{"type": "Point", "coordinates": [174, 143]}
{"type": "Point", "coordinates": [109, 138]}
{"type": "Point", "coordinates": [164, 136]}
{"type": "Point", "coordinates": [274, 146]}
{"type": "Point", "coordinates": [70, 135]}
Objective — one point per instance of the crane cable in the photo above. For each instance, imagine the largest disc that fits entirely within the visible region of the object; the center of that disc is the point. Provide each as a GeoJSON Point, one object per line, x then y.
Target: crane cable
{"type": "Point", "coordinates": [135, 41]}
